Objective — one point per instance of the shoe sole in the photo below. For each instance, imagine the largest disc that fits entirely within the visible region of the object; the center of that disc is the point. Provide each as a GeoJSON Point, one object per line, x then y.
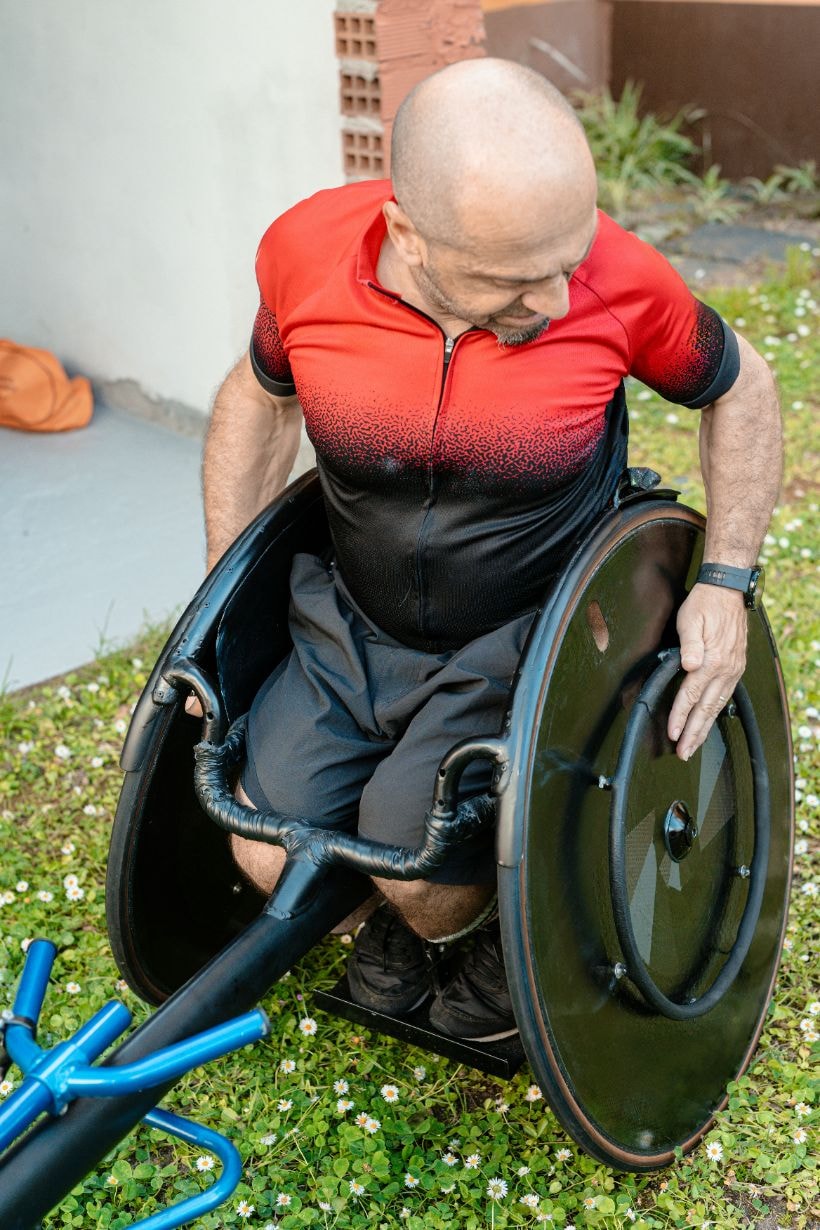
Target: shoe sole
{"type": "Point", "coordinates": [499, 1037]}
{"type": "Point", "coordinates": [383, 1007]}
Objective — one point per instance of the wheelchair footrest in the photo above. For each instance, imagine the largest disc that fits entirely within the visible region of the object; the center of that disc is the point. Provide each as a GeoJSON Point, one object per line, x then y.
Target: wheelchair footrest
{"type": "Point", "coordinates": [502, 1058]}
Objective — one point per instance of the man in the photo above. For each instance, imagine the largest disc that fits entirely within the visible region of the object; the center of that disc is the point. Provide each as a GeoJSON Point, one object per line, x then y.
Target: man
{"type": "Point", "coordinates": [457, 345]}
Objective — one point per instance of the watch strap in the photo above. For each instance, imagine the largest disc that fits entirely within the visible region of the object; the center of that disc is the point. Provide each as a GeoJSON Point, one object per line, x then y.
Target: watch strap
{"type": "Point", "coordinates": [742, 579]}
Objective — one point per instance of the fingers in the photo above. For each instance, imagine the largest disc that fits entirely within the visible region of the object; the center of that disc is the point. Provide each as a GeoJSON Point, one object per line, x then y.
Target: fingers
{"type": "Point", "coordinates": [712, 631]}
{"type": "Point", "coordinates": [702, 702]}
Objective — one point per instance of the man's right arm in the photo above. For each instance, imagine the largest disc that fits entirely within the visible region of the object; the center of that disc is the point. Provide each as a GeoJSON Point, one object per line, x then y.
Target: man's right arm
{"type": "Point", "coordinates": [251, 445]}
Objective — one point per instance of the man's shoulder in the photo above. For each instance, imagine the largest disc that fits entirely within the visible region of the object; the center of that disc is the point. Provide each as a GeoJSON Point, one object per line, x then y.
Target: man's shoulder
{"type": "Point", "coordinates": [330, 218]}
{"type": "Point", "coordinates": [616, 248]}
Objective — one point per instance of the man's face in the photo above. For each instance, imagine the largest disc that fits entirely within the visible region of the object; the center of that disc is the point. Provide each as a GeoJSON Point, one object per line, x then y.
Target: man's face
{"type": "Point", "coordinates": [512, 290]}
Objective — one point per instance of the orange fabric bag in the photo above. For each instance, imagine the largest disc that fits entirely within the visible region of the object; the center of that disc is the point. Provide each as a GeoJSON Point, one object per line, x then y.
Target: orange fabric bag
{"type": "Point", "coordinates": [37, 395]}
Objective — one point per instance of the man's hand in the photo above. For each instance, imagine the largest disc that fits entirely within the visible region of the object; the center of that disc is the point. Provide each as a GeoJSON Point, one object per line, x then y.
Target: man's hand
{"type": "Point", "coordinates": [712, 627]}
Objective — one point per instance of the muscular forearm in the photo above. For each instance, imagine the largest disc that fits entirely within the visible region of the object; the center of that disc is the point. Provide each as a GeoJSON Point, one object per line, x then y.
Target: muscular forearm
{"type": "Point", "coordinates": [250, 449]}
{"type": "Point", "coordinates": [741, 459]}
{"type": "Point", "coordinates": [741, 452]}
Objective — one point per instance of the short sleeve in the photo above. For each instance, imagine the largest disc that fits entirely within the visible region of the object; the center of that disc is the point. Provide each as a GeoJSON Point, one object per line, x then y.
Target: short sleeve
{"type": "Point", "coordinates": [269, 359]}
{"type": "Point", "coordinates": [268, 355]}
{"type": "Point", "coordinates": [677, 345]}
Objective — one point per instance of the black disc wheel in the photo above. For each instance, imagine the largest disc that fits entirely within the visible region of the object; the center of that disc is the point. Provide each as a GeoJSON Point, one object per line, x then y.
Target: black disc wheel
{"type": "Point", "coordinates": [643, 899]}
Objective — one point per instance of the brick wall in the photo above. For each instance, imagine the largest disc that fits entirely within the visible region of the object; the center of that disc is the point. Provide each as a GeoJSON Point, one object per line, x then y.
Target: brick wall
{"type": "Point", "coordinates": [384, 48]}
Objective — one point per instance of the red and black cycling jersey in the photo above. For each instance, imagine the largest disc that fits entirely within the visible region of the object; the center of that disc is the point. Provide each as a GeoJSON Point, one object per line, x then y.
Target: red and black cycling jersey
{"type": "Point", "coordinates": [458, 475]}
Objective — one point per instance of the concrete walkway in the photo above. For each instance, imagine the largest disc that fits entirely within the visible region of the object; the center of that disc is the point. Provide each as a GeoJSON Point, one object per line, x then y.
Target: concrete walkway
{"type": "Point", "coordinates": [101, 531]}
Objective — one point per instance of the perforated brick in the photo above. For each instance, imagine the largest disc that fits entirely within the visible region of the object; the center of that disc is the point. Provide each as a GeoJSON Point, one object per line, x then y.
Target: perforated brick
{"type": "Point", "coordinates": [363, 154]}
{"type": "Point", "coordinates": [359, 95]}
{"type": "Point", "coordinates": [355, 36]}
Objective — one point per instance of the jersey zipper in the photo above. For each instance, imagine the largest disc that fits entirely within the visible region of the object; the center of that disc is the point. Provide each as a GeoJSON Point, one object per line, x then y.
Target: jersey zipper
{"type": "Point", "coordinates": [449, 347]}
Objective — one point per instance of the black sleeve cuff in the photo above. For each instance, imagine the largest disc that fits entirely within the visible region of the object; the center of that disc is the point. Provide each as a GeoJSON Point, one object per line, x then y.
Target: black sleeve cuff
{"type": "Point", "coordinates": [278, 388]}
{"type": "Point", "coordinates": [726, 374]}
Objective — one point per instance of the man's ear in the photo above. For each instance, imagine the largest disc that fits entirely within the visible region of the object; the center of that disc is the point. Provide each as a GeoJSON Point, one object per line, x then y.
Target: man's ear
{"type": "Point", "coordinates": [405, 238]}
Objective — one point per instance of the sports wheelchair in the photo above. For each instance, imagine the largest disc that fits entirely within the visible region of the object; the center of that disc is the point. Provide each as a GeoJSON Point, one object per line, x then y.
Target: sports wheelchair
{"type": "Point", "coordinates": [642, 899]}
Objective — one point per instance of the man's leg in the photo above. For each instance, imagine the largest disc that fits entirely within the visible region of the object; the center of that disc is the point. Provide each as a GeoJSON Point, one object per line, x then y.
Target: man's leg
{"type": "Point", "coordinates": [436, 911]}
{"type": "Point", "coordinates": [262, 864]}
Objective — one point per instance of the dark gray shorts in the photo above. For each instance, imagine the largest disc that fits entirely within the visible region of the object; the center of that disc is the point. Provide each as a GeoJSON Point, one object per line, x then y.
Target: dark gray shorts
{"type": "Point", "coordinates": [352, 726]}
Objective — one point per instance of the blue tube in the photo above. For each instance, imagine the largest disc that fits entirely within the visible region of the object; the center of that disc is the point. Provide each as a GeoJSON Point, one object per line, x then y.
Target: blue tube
{"type": "Point", "coordinates": [21, 1109]}
{"type": "Point", "coordinates": [21, 1047]}
{"type": "Point", "coordinates": [104, 1027]}
{"type": "Point", "coordinates": [195, 1206]}
{"type": "Point", "coordinates": [171, 1061]}
{"type": "Point", "coordinates": [31, 990]}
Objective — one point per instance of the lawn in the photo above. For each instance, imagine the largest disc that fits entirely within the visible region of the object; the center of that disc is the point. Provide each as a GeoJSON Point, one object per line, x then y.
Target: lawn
{"type": "Point", "coordinates": [340, 1128]}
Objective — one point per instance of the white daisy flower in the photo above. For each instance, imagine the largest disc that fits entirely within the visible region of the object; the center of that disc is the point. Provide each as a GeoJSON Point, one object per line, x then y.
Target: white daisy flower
{"type": "Point", "coordinates": [25, 748]}
{"type": "Point", "coordinates": [21, 886]}
{"type": "Point", "coordinates": [530, 1200]}
{"type": "Point", "coordinates": [372, 1126]}
{"type": "Point", "coordinates": [308, 1026]}
{"type": "Point", "coordinates": [268, 1139]}
{"type": "Point", "coordinates": [590, 1202]}
{"type": "Point", "coordinates": [814, 1007]}
{"type": "Point", "coordinates": [496, 1189]}
{"type": "Point", "coordinates": [714, 1150]}
{"type": "Point", "coordinates": [449, 1158]}
{"type": "Point", "coordinates": [390, 1093]}
{"type": "Point", "coordinates": [70, 881]}
{"type": "Point", "coordinates": [533, 1094]}
{"type": "Point", "coordinates": [283, 1200]}
{"type": "Point", "coordinates": [344, 1104]}
{"type": "Point", "coordinates": [6, 1087]}
{"type": "Point", "coordinates": [802, 1109]}
{"type": "Point", "coordinates": [287, 1065]}
{"type": "Point", "coordinates": [325, 1206]}
{"type": "Point", "coordinates": [205, 1162]}
{"type": "Point", "coordinates": [45, 895]}
{"type": "Point", "coordinates": [356, 1188]}
{"type": "Point", "coordinates": [120, 726]}
{"type": "Point", "coordinates": [522, 1170]}
{"type": "Point", "coordinates": [362, 1118]}
{"type": "Point", "coordinates": [73, 988]}
{"type": "Point", "coordinates": [340, 1086]}
{"type": "Point", "coordinates": [285, 1104]}
{"type": "Point", "coordinates": [563, 1155]}
{"type": "Point", "coordinates": [96, 762]}
{"type": "Point", "coordinates": [75, 893]}
{"type": "Point", "coordinates": [62, 752]}
{"type": "Point", "coordinates": [472, 1161]}
{"type": "Point", "coordinates": [420, 1072]}
{"type": "Point", "coordinates": [404, 1212]}
{"type": "Point", "coordinates": [800, 1136]}
{"type": "Point", "coordinates": [89, 810]}
{"type": "Point", "coordinates": [410, 1180]}
{"type": "Point", "coordinates": [68, 848]}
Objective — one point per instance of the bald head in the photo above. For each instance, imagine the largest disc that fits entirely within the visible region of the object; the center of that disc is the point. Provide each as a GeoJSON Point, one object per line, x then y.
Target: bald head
{"type": "Point", "coordinates": [486, 148]}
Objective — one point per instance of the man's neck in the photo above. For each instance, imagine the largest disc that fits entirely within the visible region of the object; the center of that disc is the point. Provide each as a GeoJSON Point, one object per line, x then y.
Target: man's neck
{"type": "Point", "coordinates": [394, 275]}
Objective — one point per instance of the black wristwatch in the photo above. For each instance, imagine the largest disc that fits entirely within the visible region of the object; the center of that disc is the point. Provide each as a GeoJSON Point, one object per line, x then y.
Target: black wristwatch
{"type": "Point", "coordinates": [748, 580]}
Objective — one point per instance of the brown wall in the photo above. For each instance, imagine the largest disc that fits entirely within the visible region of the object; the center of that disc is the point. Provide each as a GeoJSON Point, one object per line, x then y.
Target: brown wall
{"type": "Point", "coordinates": [543, 36]}
{"type": "Point", "coordinates": [752, 67]}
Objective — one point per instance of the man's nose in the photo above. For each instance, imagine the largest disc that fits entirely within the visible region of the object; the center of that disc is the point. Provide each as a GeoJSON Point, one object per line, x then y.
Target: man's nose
{"type": "Point", "coordinates": [548, 298]}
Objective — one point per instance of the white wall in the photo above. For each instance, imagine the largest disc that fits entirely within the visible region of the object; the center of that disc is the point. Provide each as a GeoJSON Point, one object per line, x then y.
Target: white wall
{"type": "Point", "coordinates": [144, 149]}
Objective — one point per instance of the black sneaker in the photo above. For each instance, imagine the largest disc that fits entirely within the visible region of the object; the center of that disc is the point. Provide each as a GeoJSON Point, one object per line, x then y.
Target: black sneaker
{"type": "Point", "coordinates": [389, 971]}
{"type": "Point", "coordinates": [476, 1005]}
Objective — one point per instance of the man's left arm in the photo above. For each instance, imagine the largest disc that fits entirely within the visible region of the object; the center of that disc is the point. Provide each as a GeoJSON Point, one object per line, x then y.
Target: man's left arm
{"type": "Point", "coordinates": [741, 456]}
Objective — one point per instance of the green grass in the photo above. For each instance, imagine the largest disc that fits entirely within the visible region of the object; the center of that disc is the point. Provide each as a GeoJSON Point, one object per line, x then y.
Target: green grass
{"type": "Point", "coordinates": [58, 792]}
